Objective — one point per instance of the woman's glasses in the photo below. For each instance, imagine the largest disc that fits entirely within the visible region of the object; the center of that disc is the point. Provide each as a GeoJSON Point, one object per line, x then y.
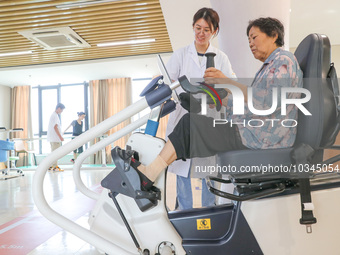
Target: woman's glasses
{"type": "Point", "coordinates": [205, 31]}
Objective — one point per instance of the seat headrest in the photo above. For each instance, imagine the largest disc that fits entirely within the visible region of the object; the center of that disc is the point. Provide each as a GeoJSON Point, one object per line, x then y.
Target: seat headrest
{"type": "Point", "coordinates": [313, 55]}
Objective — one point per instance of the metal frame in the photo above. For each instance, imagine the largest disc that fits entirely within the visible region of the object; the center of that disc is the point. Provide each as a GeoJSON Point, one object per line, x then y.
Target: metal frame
{"type": "Point", "coordinates": [38, 192]}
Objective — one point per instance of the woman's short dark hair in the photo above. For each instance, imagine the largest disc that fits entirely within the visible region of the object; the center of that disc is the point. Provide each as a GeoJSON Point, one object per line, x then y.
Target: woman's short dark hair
{"type": "Point", "coordinates": [210, 16]}
{"type": "Point", "coordinates": [269, 26]}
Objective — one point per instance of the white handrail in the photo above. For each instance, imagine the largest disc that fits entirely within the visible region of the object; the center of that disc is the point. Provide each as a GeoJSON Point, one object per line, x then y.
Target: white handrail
{"type": "Point", "coordinates": [96, 147]}
{"type": "Point", "coordinates": [38, 180]}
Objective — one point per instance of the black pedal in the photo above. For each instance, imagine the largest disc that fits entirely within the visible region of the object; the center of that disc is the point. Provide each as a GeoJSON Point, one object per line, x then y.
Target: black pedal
{"type": "Point", "coordinates": [124, 179]}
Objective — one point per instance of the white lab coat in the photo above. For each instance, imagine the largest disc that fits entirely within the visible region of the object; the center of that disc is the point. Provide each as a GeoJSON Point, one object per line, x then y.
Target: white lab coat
{"type": "Point", "coordinates": [185, 61]}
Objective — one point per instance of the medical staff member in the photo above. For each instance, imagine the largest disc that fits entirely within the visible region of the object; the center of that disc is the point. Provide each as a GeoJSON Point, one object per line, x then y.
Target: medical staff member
{"type": "Point", "coordinates": [54, 135]}
{"type": "Point", "coordinates": [191, 61]}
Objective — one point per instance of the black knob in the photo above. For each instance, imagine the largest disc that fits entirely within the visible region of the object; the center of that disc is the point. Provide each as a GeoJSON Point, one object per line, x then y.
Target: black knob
{"type": "Point", "coordinates": [210, 59]}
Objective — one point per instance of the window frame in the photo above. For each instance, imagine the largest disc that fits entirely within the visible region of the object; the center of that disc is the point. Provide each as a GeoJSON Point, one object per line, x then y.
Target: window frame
{"type": "Point", "coordinates": [58, 87]}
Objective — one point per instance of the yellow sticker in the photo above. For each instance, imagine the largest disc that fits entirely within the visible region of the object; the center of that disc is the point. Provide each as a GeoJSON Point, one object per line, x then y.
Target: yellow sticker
{"type": "Point", "coordinates": [203, 224]}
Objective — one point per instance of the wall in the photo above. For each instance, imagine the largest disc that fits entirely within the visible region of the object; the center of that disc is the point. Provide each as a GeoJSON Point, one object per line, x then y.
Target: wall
{"type": "Point", "coordinates": [178, 17]}
{"type": "Point", "coordinates": [5, 112]}
{"type": "Point", "coordinates": [235, 16]}
{"type": "Point", "coordinates": [335, 56]}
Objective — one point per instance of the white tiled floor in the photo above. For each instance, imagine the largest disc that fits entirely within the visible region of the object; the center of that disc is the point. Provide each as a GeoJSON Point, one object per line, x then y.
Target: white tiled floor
{"type": "Point", "coordinates": [21, 222]}
{"type": "Point", "coordinates": [18, 210]}
{"type": "Point", "coordinates": [66, 243]}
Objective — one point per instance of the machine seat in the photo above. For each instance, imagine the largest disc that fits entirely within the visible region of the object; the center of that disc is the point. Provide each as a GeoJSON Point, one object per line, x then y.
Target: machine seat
{"type": "Point", "coordinates": [254, 163]}
{"type": "Point", "coordinates": [314, 132]}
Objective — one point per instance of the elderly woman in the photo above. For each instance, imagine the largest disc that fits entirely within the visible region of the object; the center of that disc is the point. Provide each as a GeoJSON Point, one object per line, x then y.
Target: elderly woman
{"type": "Point", "coordinates": [195, 136]}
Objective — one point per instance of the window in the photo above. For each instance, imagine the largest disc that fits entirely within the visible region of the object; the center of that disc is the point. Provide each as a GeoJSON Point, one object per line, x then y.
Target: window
{"type": "Point", "coordinates": [49, 99]}
{"type": "Point", "coordinates": [44, 101]}
{"type": "Point", "coordinates": [73, 99]}
{"type": "Point", "coordinates": [35, 116]}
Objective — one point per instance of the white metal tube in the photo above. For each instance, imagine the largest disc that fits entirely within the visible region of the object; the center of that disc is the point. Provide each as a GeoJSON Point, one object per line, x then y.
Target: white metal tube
{"type": "Point", "coordinates": [174, 85]}
{"type": "Point", "coordinates": [38, 180]}
{"type": "Point", "coordinates": [96, 147]}
{"type": "Point", "coordinates": [81, 232]}
{"type": "Point", "coordinates": [102, 144]}
{"type": "Point", "coordinates": [103, 155]}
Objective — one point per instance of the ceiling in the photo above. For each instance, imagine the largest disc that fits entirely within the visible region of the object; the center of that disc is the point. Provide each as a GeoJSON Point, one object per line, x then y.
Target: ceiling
{"type": "Point", "coordinates": [121, 20]}
{"type": "Point", "coordinates": [111, 21]}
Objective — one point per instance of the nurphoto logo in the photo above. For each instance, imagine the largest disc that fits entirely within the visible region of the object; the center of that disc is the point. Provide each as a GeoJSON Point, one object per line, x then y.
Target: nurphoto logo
{"type": "Point", "coordinates": [239, 105]}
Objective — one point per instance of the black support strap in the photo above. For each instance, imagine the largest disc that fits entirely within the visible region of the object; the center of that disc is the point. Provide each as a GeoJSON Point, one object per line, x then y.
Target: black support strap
{"type": "Point", "coordinates": [302, 156]}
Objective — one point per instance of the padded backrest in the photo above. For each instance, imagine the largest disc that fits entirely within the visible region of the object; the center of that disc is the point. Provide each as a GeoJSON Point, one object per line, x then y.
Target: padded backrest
{"type": "Point", "coordinates": [313, 55]}
{"type": "Point", "coordinates": [330, 137]}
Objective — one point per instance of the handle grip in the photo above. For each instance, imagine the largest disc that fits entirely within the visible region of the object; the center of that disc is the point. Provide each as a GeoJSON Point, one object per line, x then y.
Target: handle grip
{"type": "Point", "coordinates": [210, 59]}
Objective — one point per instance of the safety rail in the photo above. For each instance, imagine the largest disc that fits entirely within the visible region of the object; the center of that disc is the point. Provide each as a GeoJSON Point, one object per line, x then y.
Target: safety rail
{"type": "Point", "coordinates": [96, 147]}
{"type": "Point", "coordinates": [101, 128]}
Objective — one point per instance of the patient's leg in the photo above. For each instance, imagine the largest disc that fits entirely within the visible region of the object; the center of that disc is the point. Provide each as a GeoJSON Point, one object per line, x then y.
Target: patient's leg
{"type": "Point", "coordinates": [165, 158]}
{"type": "Point", "coordinates": [194, 136]}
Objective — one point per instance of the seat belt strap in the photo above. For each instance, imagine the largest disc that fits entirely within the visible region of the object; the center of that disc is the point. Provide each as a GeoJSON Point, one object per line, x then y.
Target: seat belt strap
{"type": "Point", "coordinates": [301, 156]}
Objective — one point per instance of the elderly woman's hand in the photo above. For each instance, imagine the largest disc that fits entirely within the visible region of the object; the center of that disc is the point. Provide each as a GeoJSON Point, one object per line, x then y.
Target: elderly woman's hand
{"type": "Point", "coordinates": [212, 72]}
{"type": "Point", "coordinates": [215, 76]}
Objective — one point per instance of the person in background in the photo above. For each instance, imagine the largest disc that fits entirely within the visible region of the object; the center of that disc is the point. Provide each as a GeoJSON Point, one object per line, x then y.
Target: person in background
{"type": "Point", "coordinates": [77, 130]}
{"type": "Point", "coordinates": [54, 134]}
{"type": "Point", "coordinates": [191, 61]}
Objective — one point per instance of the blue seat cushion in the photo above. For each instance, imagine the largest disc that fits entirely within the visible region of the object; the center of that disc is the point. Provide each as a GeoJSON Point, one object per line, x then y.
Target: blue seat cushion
{"type": "Point", "coordinates": [4, 147]}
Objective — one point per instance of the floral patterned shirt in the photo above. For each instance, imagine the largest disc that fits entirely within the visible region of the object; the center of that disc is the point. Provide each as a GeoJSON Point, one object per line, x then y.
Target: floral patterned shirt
{"type": "Point", "coordinates": [280, 69]}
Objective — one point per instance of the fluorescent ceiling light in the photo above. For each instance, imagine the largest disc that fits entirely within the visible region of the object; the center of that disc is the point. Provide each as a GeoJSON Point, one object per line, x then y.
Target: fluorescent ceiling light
{"type": "Point", "coordinates": [81, 4]}
{"type": "Point", "coordinates": [125, 42]}
{"type": "Point", "coordinates": [15, 53]}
